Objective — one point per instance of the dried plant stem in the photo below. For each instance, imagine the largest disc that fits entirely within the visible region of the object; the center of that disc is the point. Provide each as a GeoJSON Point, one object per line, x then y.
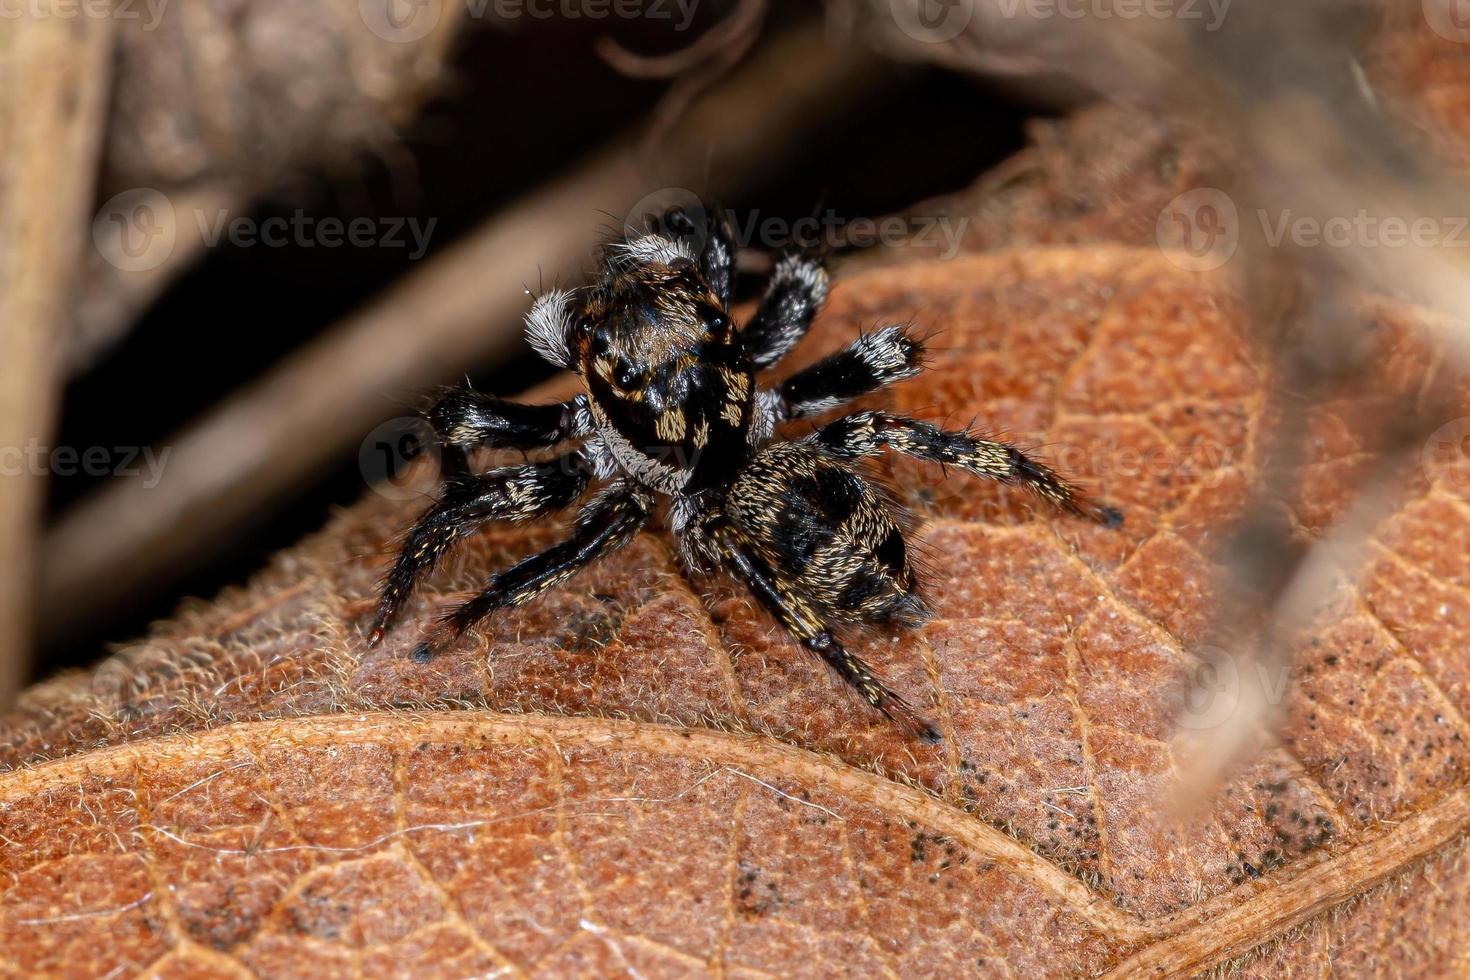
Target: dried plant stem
{"type": "Point", "coordinates": [54, 76]}
{"type": "Point", "coordinates": [695, 68]}
{"type": "Point", "coordinates": [217, 104]}
{"type": "Point", "coordinates": [737, 30]}
{"type": "Point", "coordinates": [457, 311]}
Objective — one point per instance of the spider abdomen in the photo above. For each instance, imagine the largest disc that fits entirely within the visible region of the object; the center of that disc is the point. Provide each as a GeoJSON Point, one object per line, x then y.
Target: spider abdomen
{"type": "Point", "coordinates": [830, 530]}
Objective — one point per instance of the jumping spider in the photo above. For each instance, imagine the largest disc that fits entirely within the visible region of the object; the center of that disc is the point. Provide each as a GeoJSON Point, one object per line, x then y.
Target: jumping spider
{"type": "Point", "coordinates": [672, 408]}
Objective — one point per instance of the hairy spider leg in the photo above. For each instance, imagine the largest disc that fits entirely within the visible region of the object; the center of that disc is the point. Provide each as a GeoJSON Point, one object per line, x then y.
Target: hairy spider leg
{"type": "Point", "coordinates": [867, 433]}
{"type": "Point", "coordinates": [514, 493]}
{"type": "Point", "coordinates": [465, 419]}
{"type": "Point", "coordinates": [606, 524]}
{"type": "Point", "coordinates": [715, 240]}
{"type": "Point", "coordinates": [869, 363]}
{"type": "Point", "coordinates": [793, 297]}
{"type": "Point", "coordinates": [798, 618]}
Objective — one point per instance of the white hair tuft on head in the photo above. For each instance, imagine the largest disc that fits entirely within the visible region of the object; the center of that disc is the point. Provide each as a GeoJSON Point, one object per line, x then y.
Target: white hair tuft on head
{"type": "Point", "coordinates": [651, 248]}
{"type": "Point", "coordinates": [549, 324]}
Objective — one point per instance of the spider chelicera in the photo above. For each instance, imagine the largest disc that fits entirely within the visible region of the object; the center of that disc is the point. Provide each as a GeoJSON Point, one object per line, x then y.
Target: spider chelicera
{"type": "Point", "coordinates": [671, 407]}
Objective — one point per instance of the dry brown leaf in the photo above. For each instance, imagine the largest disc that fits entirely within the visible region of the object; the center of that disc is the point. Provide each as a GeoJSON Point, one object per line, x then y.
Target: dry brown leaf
{"type": "Point", "coordinates": [632, 776]}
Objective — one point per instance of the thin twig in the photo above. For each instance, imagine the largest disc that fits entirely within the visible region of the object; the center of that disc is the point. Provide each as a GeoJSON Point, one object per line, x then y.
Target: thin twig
{"type": "Point", "coordinates": [54, 71]}
{"type": "Point", "coordinates": [734, 30]}
{"type": "Point", "coordinates": [695, 68]}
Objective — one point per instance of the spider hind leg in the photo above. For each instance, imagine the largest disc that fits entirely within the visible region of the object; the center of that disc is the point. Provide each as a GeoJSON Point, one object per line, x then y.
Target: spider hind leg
{"type": "Point", "coordinates": [815, 543]}
{"type": "Point", "coordinates": [464, 419]}
{"type": "Point", "coordinates": [797, 617]}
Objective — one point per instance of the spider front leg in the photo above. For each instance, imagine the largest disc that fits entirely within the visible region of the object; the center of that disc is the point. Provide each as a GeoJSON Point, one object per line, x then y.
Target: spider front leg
{"type": "Point", "coordinates": [869, 363]}
{"type": "Point", "coordinates": [464, 419]}
{"type": "Point", "coordinates": [603, 526]}
{"type": "Point", "coordinates": [514, 493]}
{"type": "Point", "coordinates": [867, 433]}
{"type": "Point", "coordinates": [793, 297]}
{"type": "Point", "coordinates": [799, 619]}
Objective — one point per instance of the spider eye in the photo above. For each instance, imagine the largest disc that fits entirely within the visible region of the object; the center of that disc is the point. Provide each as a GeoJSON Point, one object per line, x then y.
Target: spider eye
{"type": "Point", "coordinates": [718, 323]}
{"type": "Point", "coordinates": [626, 374]}
{"type": "Point", "coordinates": [599, 342]}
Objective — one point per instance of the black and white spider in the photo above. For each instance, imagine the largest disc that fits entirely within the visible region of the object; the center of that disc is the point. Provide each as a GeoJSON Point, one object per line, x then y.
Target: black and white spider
{"type": "Point", "coordinates": [671, 407]}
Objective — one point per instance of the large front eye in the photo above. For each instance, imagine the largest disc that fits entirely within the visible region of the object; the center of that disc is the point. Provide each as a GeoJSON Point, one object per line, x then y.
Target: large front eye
{"type": "Point", "coordinates": [598, 342]}
{"type": "Point", "coordinates": [625, 374]}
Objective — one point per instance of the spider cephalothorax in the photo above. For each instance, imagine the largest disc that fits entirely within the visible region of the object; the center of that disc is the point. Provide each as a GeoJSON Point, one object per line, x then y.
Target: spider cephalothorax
{"type": "Point", "coordinates": [672, 408]}
{"type": "Point", "coordinates": [670, 387]}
